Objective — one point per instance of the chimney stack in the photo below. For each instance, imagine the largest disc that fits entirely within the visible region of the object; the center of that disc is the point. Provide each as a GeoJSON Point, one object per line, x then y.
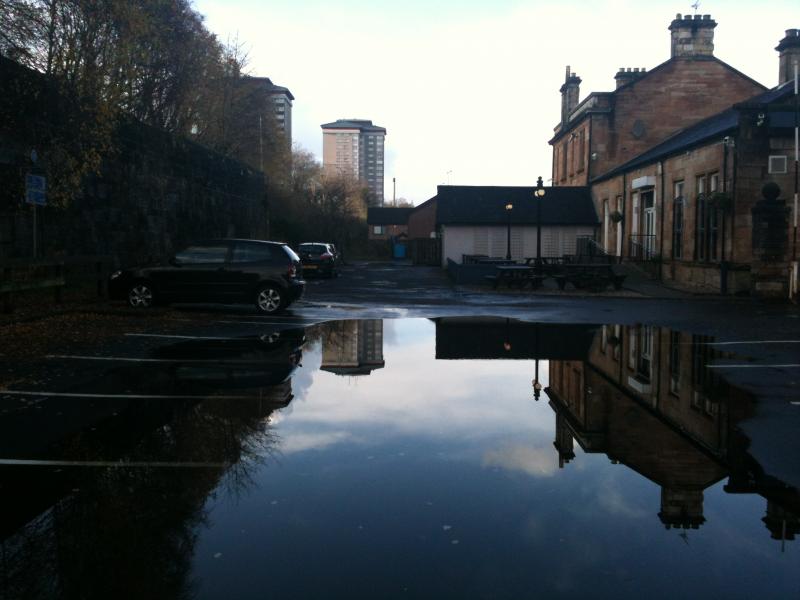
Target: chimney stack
{"type": "Point", "coordinates": [692, 36]}
{"type": "Point", "coordinates": [625, 76]}
{"type": "Point", "coordinates": [789, 49]}
{"type": "Point", "coordinates": [570, 94]}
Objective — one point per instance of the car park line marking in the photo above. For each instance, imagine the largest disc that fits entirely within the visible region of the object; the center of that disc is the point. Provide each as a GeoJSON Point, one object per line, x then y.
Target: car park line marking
{"type": "Point", "coordinates": [753, 366]}
{"type": "Point", "coordinates": [184, 337]}
{"type": "Point", "coordinates": [108, 463]}
{"type": "Point", "coordinates": [753, 342]}
{"type": "Point", "coordinates": [185, 361]}
{"type": "Point", "coordinates": [45, 394]}
{"type": "Point", "coordinates": [266, 322]}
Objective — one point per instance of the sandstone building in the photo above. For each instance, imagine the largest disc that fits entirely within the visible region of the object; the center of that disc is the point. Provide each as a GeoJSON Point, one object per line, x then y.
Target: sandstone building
{"type": "Point", "coordinates": [676, 158]}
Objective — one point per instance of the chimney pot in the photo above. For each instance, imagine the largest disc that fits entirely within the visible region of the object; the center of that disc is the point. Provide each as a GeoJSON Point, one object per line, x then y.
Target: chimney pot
{"type": "Point", "coordinates": [789, 53]}
{"type": "Point", "coordinates": [706, 17]}
{"type": "Point", "coordinates": [697, 17]}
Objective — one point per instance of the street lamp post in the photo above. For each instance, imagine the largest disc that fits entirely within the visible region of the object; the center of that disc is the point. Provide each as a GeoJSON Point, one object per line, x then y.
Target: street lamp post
{"type": "Point", "coordinates": [509, 208]}
{"type": "Point", "coordinates": [539, 194]}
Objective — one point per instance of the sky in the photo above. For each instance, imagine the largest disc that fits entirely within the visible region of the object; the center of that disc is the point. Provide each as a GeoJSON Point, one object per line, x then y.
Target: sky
{"type": "Point", "coordinates": [469, 91]}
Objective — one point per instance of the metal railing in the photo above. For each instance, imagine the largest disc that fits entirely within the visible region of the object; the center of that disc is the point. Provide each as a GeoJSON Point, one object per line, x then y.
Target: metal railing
{"type": "Point", "coordinates": [588, 250]}
{"type": "Point", "coordinates": [642, 247]}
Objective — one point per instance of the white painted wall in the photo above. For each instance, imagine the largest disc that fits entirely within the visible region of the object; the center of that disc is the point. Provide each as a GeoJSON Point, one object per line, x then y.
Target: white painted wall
{"type": "Point", "coordinates": [458, 240]}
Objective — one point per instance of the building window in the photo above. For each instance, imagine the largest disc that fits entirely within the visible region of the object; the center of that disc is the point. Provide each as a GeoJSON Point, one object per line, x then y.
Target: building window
{"type": "Point", "coordinates": [701, 208]}
{"type": "Point", "coordinates": [713, 219]}
{"type": "Point", "coordinates": [581, 150]}
{"type": "Point", "coordinates": [677, 220]}
{"type": "Point", "coordinates": [564, 161]}
{"type": "Point", "coordinates": [377, 230]}
{"type": "Point", "coordinates": [674, 362]}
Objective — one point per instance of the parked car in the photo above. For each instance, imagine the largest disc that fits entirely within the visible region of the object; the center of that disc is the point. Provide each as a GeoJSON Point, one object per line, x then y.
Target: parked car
{"type": "Point", "coordinates": [269, 274]}
{"type": "Point", "coordinates": [319, 258]}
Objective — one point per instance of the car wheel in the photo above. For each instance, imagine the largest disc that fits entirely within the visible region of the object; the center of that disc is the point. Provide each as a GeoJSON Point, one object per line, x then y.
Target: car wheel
{"type": "Point", "coordinates": [141, 295]}
{"type": "Point", "coordinates": [269, 300]}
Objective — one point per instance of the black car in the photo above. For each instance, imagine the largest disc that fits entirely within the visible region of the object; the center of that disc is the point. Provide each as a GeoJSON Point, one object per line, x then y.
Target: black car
{"type": "Point", "coordinates": [269, 274]}
{"type": "Point", "coordinates": [319, 258]}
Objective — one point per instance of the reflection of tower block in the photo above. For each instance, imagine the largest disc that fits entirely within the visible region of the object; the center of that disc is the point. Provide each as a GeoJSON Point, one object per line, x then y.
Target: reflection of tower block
{"type": "Point", "coordinates": [782, 524]}
{"type": "Point", "coordinates": [564, 441]}
{"type": "Point", "coordinates": [681, 508]}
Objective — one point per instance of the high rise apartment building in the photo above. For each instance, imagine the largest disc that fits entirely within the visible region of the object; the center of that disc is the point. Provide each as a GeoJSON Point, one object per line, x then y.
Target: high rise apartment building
{"type": "Point", "coordinates": [278, 101]}
{"type": "Point", "coordinates": [355, 147]}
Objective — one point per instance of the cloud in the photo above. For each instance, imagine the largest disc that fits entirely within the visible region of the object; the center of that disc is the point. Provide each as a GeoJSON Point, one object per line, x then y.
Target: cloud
{"type": "Point", "coordinates": [536, 462]}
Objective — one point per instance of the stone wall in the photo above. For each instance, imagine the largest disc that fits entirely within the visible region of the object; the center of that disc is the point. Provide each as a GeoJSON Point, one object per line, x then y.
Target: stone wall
{"type": "Point", "coordinates": [154, 193]}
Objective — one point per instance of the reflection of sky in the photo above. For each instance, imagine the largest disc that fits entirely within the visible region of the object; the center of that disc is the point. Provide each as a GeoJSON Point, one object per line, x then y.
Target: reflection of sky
{"type": "Point", "coordinates": [416, 395]}
{"type": "Point", "coordinates": [439, 479]}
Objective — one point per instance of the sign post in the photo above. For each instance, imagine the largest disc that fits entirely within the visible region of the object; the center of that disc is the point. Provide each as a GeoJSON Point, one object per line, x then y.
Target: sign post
{"type": "Point", "coordinates": [36, 195]}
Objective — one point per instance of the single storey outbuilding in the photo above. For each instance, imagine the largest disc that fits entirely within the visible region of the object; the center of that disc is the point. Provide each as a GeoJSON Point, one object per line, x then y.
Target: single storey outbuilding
{"type": "Point", "coordinates": [491, 220]}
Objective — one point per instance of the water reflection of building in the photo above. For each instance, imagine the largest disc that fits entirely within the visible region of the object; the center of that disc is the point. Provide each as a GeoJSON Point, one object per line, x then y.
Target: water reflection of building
{"type": "Point", "coordinates": [645, 397]}
{"type": "Point", "coordinates": [353, 347]}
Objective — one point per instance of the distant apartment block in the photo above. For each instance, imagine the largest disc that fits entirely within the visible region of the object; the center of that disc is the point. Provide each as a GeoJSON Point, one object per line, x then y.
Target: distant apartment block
{"type": "Point", "coordinates": [279, 103]}
{"type": "Point", "coordinates": [355, 147]}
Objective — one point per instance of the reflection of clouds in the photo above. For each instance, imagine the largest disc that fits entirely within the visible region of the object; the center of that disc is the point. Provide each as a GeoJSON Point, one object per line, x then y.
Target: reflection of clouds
{"type": "Point", "coordinates": [312, 441]}
{"type": "Point", "coordinates": [419, 396]}
{"type": "Point", "coordinates": [537, 462]}
{"type": "Point", "coordinates": [611, 498]}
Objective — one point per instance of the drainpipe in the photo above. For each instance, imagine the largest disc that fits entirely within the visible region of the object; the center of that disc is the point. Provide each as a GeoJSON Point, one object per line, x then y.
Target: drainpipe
{"type": "Point", "coordinates": [624, 212]}
{"type": "Point", "coordinates": [723, 264]}
{"type": "Point", "coordinates": [661, 241]}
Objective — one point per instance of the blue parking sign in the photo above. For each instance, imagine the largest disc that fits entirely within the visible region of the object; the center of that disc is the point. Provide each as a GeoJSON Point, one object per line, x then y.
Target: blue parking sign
{"type": "Point", "coordinates": [36, 190]}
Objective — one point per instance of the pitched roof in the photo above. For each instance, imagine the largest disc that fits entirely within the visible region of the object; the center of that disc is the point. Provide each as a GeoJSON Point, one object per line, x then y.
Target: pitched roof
{"type": "Point", "coordinates": [360, 124]}
{"type": "Point", "coordinates": [485, 205]}
{"type": "Point", "coordinates": [711, 128]}
{"type": "Point", "coordinates": [562, 129]}
{"type": "Point", "coordinates": [388, 215]}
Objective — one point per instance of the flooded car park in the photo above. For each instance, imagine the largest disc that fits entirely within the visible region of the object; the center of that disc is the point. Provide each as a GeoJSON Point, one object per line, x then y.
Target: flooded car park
{"type": "Point", "coordinates": [412, 457]}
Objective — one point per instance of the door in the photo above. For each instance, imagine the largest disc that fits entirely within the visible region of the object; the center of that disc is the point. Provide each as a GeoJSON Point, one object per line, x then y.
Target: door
{"type": "Point", "coordinates": [198, 274]}
{"type": "Point", "coordinates": [649, 225]}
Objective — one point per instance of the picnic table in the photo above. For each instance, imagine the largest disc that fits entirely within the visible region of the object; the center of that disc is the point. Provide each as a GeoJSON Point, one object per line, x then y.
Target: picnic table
{"type": "Point", "coordinates": [515, 276]}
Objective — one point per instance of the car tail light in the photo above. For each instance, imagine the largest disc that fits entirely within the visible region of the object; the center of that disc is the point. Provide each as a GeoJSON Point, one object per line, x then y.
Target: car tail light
{"type": "Point", "coordinates": [326, 256]}
{"type": "Point", "coordinates": [292, 271]}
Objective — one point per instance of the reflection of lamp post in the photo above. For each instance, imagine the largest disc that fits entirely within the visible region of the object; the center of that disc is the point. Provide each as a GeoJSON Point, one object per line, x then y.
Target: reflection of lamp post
{"type": "Point", "coordinates": [539, 194]}
{"type": "Point", "coordinates": [537, 385]}
{"type": "Point", "coordinates": [509, 208]}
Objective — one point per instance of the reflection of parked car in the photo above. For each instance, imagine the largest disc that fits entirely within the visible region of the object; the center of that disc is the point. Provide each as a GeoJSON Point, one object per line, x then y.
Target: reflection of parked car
{"type": "Point", "coordinates": [235, 363]}
{"type": "Point", "coordinates": [320, 258]}
{"type": "Point", "coordinates": [228, 271]}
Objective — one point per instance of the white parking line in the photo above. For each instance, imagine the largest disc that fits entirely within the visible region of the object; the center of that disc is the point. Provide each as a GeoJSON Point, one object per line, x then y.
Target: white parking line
{"type": "Point", "coordinates": [752, 366]}
{"type": "Point", "coordinates": [105, 463]}
{"type": "Point", "coordinates": [156, 360]}
{"type": "Point", "coordinates": [183, 337]}
{"type": "Point", "coordinates": [267, 322]}
{"type": "Point", "coordinates": [117, 396]}
{"type": "Point", "coordinates": [753, 342]}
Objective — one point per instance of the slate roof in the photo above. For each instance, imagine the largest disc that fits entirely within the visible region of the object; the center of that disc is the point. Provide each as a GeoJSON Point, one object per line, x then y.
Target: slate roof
{"type": "Point", "coordinates": [388, 215]}
{"type": "Point", "coordinates": [360, 124]}
{"type": "Point", "coordinates": [485, 205]}
{"type": "Point", "coordinates": [714, 127]}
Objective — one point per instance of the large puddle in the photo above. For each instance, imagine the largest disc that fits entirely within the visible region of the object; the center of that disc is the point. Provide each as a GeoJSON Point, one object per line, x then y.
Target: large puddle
{"type": "Point", "coordinates": [407, 458]}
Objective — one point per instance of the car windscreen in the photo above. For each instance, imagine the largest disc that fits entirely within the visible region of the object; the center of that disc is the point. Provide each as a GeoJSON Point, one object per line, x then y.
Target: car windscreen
{"type": "Point", "coordinates": [290, 253]}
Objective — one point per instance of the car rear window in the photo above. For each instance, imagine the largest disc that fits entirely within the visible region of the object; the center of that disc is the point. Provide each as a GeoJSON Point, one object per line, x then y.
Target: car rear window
{"type": "Point", "coordinates": [313, 248]}
{"type": "Point", "coordinates": [246, 253]}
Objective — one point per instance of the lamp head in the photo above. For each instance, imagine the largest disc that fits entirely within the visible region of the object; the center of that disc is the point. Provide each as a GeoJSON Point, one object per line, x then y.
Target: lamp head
{"type": "Point", "coordinates": [509, 206]}
{"type": "Point", "coordinates": [539, 191]}
{"type": "Point", "coordinates": [537, 389]}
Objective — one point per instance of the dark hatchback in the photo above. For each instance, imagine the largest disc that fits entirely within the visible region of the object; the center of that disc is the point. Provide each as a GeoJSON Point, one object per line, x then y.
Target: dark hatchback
{"type": "Point", "coordinates": [268, 274]}
{"type": "Point", "coordinates": [319, 258]}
